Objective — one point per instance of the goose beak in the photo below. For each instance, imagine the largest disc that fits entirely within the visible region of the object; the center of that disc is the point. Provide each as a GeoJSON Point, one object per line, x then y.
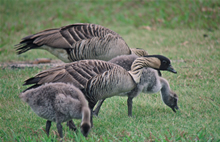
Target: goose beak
{"type": "Point", "coordinates": [171, 69]}
{"type": "Point", "coordinates": [175, 107]}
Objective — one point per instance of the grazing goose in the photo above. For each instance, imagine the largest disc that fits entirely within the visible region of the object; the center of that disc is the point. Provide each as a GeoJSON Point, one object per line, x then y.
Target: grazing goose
{"type": "Point", "coordinates": [59, 102]}
{"type": "Point", "coordinates": [100, 79]}
{"type": "Point", "coordinates": [150, 82]}
{"type": "Point", "coordinates": [78, 42]}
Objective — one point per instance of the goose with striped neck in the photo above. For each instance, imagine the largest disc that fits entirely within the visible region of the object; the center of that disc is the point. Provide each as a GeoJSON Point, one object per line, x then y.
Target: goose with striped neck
{"type": "Point", "coordinates": [150, 82]}
{"type": "Point", "coordinates": [99, 79]}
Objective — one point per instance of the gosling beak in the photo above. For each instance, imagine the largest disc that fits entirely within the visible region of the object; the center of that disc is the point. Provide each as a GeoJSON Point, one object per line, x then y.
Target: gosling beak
{"type": "Point", "coordinates": [171, 69]}
{"type": "Point", "coordinates": [175, 107]}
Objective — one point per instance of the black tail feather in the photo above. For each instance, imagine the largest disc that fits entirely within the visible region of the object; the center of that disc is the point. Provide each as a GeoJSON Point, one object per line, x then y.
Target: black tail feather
{"type": "Point", "coordinates": [32, 80]}
{"type": "Point", "coordinates": [34, 86]}
{"type": "Point", "coordinates": [25, 45]}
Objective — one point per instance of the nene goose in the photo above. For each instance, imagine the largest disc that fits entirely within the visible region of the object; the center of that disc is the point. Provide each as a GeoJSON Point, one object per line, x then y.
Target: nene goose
{"type": "Point", "coordinates": [78, 42]}
{"type": "Point", "coordinates": [99, 79]}
{"type": "Point", "coordinates": [59, 102]}
{"type": "Point", "coordinates": [150, 82]}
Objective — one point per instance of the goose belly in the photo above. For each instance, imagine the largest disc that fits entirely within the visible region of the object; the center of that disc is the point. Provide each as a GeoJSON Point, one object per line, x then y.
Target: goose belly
{"type": "Point", "coordinates": [59, 53]}
{"type": "Point", "coordinates": [117, 48]}
{"type": "Point", "coordinates": [45, 112]}
{"type": "Point", "coordinates": [111, 83]}
{"type": "Point", "coordinates": [62, 110]}
{"type": "Point", "coordinates": [115, 90]}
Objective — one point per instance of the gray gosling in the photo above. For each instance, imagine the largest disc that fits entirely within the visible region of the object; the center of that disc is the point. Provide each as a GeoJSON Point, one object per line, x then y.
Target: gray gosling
{"type": "Point", "coordinates": [78, 42]}
{"type": "Point", "coordinates": [150, 82]}
{"type": "Point", "coordinates": [100, 79]}
{"type": "Point", "coordinates": [59, 102]}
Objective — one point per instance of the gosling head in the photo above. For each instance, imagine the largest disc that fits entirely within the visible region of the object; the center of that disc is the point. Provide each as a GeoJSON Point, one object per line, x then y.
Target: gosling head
{"type": "Point", "coordinates": [85, 128]}
{"type": "Point", "coordinates": [171, 101]}
{"type": "Point", "coordinates": [160, 62]}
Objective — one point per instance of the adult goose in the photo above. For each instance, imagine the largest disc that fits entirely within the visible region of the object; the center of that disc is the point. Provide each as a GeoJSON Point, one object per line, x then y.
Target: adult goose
{"type": "Point", "coordinates": [150, 82]}
{"type": "Point", "coordinates": [78, 42]}
{"type": "Point", "coordinates": [100, 79]}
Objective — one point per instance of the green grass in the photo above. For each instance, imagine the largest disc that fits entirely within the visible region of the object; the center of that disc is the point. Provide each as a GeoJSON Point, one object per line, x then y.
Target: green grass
{"type": "Point", "coordinates": [197, 85]}
{"type": "Point", "coordinates": [195, 57]}
{"type": "Point", "coordinates": [25, 17]}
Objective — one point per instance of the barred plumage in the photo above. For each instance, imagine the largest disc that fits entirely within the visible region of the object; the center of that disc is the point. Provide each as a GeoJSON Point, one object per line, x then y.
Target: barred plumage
{"type": "Point", "coordinates": [79, 41]}
{"type": "Point", "coordinates": [107, 79]}
{"type": "Point", "coordinates": [150, 82]}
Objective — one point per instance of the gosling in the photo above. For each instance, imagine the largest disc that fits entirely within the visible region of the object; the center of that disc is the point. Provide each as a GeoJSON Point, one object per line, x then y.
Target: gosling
{"type": "Point", "coordinates": [59, 102]}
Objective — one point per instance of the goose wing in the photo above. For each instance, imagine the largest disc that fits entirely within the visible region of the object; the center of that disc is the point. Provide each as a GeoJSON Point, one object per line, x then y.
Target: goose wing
{"type": "Point", "coordinates": [77, 73]}
{"type": "Point", "coordinates": [115, 81]}
{"type": "Point", "coordinates": [65, 37]}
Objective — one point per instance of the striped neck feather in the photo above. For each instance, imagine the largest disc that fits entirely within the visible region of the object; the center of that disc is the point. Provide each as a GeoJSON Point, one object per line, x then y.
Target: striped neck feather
{"type": "Point", "coordinates": [139, 52]}
{"type": "Point", "coordinates": [137, 68]}
{"type": "Point", "coordinates": [141, 62]}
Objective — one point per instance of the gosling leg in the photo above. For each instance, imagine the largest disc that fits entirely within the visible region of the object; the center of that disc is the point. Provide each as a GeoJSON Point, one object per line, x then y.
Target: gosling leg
{"type": "Point", "coordinates": [59, 128]}
{"type": "Point", "coordinates": [71, 125]}
{"type": "Point", "coordinates": [48, 125]}
{"type": "Point", "coordinates": [91, 106]}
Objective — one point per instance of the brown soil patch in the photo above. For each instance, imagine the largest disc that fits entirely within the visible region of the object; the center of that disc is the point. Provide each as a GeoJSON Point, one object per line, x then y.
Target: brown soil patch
{"type": "Point", "coordinates": [41, 62]}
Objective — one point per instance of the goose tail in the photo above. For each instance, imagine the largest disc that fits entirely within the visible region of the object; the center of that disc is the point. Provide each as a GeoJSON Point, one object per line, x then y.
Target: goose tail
{"type": "Point", "coordinates": [34, 41]}
{"type": "Point", "coordinates": [25, 45]}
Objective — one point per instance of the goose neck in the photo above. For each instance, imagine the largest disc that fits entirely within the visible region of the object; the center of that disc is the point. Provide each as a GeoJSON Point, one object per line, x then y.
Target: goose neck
{"type": "Point", "coordinates": [85, 115]}
{"type": "Point", "coordinates": [137, 69]}
{"type": "Point", "coordinates": [165, 88]}
{"type": "Point", "coordinates": [139, 52]}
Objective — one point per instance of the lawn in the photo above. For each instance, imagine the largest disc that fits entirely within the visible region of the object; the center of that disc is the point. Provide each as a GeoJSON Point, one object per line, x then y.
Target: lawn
{"type": "Point", "coordinates": [188, 33]}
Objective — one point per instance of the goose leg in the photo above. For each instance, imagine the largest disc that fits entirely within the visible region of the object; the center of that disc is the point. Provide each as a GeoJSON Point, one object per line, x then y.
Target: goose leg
{"type": "Point", "coordinates": [71, 125]}
{"type": "Point", "coordinates": [59, 128]}
{"type": "Point", "coordinates": [91, 117]}
{"type": "Point", "coordinates": [96, 111]}
{"type": "Point", "coordinates": [129, 103]}
{"type": "Point", "coordinates": [48, 125]}
{"type": "Point", "coordinates": [91, 106]}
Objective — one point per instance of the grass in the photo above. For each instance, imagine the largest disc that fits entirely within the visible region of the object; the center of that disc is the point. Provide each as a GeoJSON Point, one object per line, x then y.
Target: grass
{"type": "Point", "coordinates": [194, 56]}
{"type": "Point", "coordinates": [25, 17]}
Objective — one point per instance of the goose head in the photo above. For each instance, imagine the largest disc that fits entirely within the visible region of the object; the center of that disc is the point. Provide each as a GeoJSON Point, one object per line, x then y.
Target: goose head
{"type": "Point", "coordinates": [85, 128]}
{"type": "Point", "coordinates": [160, 62]}
{"type": "Point", "coordinates": [171, 101]}
{"type": "Point", "coordinates": [157, 62]}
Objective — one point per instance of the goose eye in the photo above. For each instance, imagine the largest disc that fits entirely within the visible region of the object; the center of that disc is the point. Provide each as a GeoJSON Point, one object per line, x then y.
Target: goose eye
{"type": "Point", "coordinates": [164, 62]}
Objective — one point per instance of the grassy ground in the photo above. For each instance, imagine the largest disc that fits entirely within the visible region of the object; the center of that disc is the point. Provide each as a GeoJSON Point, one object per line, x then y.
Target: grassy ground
{"type": "Point", "coordinates": [193, 45]}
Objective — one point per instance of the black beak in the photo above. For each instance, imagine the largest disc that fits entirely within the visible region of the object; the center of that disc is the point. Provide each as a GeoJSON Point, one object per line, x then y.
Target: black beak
{"type": "Point", "coordinates": [175, 107]}
{"type": "Point", "coordinates": [171, 69]}
{"type": "Point", "coordinates": [86, 135]}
